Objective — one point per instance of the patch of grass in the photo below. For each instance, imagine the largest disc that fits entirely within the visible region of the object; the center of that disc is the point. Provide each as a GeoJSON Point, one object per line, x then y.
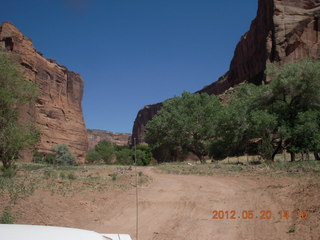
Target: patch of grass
{"type": "Point", "coordinates": [298, 168]}
{"type": "Point", "coordinates": [113, 176]}
{"type": "Point", "coordinates": [62, 175]}
{"type": "Point", "coordinates": [6, 216]}
{"type": "Point", "coordinates": [72, 176]}
{"type": "Point", "coordinates": [16, 189]}
{"type": "Point", "coordinates": [8, 172]}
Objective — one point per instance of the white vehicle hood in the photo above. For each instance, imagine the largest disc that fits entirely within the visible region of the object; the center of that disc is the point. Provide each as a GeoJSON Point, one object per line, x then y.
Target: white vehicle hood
{"type": "Point", "coordinates": [33, 232]}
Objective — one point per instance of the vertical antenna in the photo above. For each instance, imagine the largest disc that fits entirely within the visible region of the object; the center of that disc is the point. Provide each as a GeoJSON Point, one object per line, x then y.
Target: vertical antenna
{"type": "Point", "coordinates": [137, 203]}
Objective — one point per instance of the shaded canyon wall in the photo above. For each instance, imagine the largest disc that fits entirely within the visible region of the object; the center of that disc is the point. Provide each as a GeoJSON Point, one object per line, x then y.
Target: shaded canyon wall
{"type": "Point", "coordinates": [283, 30]}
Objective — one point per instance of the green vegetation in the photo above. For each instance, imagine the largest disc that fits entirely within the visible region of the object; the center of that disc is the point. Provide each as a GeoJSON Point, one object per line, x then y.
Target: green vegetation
{"type": "Point", "coordinates": [15, 92]}
{"type": "Point", "coordinates": [244, 168]}
{"type": "Point", "coordinates": [61, 156]}
{"type": "Point", "coordinates": [283, 116]}
{"type": "Point", "coordinates": [6, 217]}
{"type": "Point", "coordinates": [185, 124]}
{"type": "Point", "coordinates": [108, 152]}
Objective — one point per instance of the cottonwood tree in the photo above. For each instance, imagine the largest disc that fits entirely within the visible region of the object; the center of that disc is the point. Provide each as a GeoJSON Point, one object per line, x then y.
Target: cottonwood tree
{"type": "Point", "coordinates": [294, 97]}
{"type": "Point", "coordinates": [185, 124]}
{"type": "Point", "coordinates": [15, 91]}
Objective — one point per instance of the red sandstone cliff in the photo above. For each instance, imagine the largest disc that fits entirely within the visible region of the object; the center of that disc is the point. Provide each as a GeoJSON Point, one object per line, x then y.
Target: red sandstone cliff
{"type": "Point", "coordinates": [58, 111]}
{"type": "Point", "coordinates": [284, 30]}
{"type": "Point", "coordinates": [95, 136]}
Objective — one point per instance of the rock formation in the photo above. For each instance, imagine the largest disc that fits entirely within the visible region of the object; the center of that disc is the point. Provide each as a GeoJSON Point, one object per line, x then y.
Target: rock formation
{"type": "Point", "coordinates": [95, 136]}
{"type": "Point", "coordinates": [139, 126]}
{"type": "Point", "coordinates": [284, 30]}
{"type": "Point", "coordinates": [58, 111]}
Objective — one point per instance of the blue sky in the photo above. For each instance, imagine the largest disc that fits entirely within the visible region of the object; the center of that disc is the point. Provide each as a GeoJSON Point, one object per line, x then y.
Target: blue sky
{"type": "Point", "coordinates": [132, 53]}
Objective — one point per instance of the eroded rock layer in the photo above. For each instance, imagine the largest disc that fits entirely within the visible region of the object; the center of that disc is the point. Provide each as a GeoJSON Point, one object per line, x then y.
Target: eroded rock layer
{"type": "Point", "coordinates": [284, 30]}
{"type": "Point", "coordinates": [58, 111]}
{"type": "Point", "coordinates": [95, 136]}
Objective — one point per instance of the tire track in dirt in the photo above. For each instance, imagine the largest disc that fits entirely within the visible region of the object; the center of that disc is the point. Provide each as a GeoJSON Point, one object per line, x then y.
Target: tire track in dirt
{"type": "Point", "coordinates": [171, 207]}
{"type": "Point", "coordinates": [179, 207]}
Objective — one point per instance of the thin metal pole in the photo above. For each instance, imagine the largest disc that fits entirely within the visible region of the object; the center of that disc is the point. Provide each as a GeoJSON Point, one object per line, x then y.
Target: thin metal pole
{"type": "Point", "coordinates": [137, 200]}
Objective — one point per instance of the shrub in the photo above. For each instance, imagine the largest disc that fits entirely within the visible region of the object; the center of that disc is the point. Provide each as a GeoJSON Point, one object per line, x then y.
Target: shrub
{"type": "Point", "coordinates": [9, 172]}
{"type": "Point", "coordinates": [93, 156]}
{"type": "Point", "coordinates": [63, 156]}
{"type": "Point", "coordinates": [38, 157]}
{"type": "Point", "coordinates": [72, 176]}
{"type": "Point", "coordinates": [113, 176]}
{"type": "Point", "coordinates": [106, 150]}
{"type": "Point", "coordinates": [144, 155]}
{"type": "Point", "coordinates": [50, 158]}
{"type": "Point", "coordinates": [124, 156]}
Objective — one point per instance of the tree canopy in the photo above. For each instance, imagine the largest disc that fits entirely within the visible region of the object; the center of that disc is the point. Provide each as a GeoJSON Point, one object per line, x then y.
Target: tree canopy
{"type": "Point", "coordinates": [281, 115]}
{"type": "Point", "coordinates": [15, 91]}
{"type": "Point", "coordinates": [185, 123]}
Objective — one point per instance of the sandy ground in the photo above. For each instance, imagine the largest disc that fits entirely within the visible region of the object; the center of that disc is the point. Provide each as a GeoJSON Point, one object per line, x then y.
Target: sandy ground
{"type": "Point", "coordinates": [176, 207]}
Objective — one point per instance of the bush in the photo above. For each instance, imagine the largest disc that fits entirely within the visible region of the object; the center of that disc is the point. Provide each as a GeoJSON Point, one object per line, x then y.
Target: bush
{"type": "Point", "coordinates": [72, 176]}
{"type": "Point", "coordinates": [106, 150]}
{"type": "Point", "coordinates": [62, 155]}
{"type": "Point", "coordinates": [9, 172]}
{"type": "Point", "coordinates": [38, 157]}
{"type": "Point", "coordinates": [144, 155]}
{"type": "Point", "coordinates": [93, 156]}
{"type": "Point", "coordinates": [124, 156]}
{"type": "Point", "coordinates": [113, 176]}
{"type": "Point", "coordinates": [50, 158]}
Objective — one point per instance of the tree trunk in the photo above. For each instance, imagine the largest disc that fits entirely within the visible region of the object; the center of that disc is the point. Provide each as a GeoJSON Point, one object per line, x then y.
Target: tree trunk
{"type": "Point", "coordinates": [316, 156]}
{"type": "Point", "coordinates": [307, 156]}
{"type": "Point", "coordinates": [292, 156]}
{"type": "Point", "coordinates": [277, 150]}
{"type": "Point", "coordinates": [202, 160]}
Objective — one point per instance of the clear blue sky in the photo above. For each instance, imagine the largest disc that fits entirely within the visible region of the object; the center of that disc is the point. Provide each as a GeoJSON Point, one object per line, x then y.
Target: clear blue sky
{"type": "Point", "coordinates": [133, 53]}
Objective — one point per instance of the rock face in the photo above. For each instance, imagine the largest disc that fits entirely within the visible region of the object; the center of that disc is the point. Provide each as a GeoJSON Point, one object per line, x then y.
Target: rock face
{"type": "Point", "coordinates": [58, 111]}
{"type": "Point", "coordinates": [139, 126]}
{"type": "Point", "coordinates": [284, 30]}
{"type": "Point", "coordinates": [95, 136]}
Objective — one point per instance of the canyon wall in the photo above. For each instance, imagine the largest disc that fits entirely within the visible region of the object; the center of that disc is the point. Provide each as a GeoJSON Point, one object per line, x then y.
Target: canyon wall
{"type": "Point", "coordinates": [95, 136]}
{"type": "Point", "coordinates": [58, 110]}
{"type": "Point", "coordinates": [283, 30]}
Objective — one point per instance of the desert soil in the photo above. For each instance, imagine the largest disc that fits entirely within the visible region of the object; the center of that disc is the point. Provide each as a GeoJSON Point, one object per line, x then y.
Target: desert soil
{"type": "Point", "coordinates": [179, 207]}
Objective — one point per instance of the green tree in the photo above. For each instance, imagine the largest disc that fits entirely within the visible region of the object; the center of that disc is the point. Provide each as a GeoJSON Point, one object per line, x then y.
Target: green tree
{"type": "Point", "coordinates": [185, 123]}
{"type": "Point", "coordinates": [106, 150]}
{"type": "Point", "coordinates": [238, 122]}
{"type": "Point", "coordinates": [93, 156]}
{"type": "Point", "coordinates": [124, 156]}
{"type": "Point", "coordinates": [282, 114]}
{"type": "Point", "coordinates": [15, 92]}
{"type": "Point", "coordinates": [292, 94]}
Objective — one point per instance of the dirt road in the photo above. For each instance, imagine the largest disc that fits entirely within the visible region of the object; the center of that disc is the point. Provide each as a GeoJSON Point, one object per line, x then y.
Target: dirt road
{"type": "Point", "coordinates": [180, 207]}
{"type": "Point", "coordinates": [174, 207]}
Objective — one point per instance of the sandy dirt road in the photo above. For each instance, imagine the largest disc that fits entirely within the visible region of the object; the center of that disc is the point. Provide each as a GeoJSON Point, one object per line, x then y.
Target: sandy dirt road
{"type": "Point", "coordinates": [173, 207]}
{"type": "Point", "coordinates": [180, 207]}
